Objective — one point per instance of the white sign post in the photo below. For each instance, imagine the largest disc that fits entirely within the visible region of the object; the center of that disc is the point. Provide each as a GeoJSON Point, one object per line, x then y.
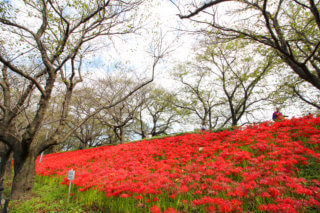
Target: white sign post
{"type": "Point", "coordinates": [40, 160]}
{"type": "Point", "coordinates": [41, 157]}
{"type": "Point", "coordinates": [71, 174]}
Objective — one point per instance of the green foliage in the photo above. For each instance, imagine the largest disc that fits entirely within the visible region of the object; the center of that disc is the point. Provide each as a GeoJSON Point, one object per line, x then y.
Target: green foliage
{"type": "Point", "coordinates": [5, 9]}
{"type": "Point", "coordinates": [49, 196]}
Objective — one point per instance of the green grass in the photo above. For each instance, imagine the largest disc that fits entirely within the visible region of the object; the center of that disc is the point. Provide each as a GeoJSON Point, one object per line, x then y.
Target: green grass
{"type": "Point", "coordinates": [49, 197]}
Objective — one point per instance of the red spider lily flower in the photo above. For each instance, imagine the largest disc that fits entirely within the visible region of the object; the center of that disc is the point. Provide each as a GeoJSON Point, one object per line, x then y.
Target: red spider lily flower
{"type": "Point", "coordinates": [318, 196]}
{"type": "Point", "coordinates": [283, 207]}
{"type": "Point", "coordinates": [184, 188]}
{"type": "Point", "coordinates": [263, 207]}
{"type": "Point", "coordinates": [237, 193]}
{"type": "Point", "coordinates": [172, 196]}
{"type": "Point", "coordinates": [236, 205]}
{"type": "Point", "coordinates": [170, 210]}
{"type": "Point", "coordinates": [155, 209]}
{"type": "Point", "coordinates": [313, 202]}
{"type": "Point", "coordinates": [274, 192]}
{"type": "Point", "coordinates": [303, 191]}
{"type": "Point", "coordinates": [138, 197]}
{"type": "Point", "coordinates": [124, 195]}
{"type": "Point", "coordinates": [197, 192]}
{"type": "Point", "coordinates": [265, 194]}
{"type": "Point", "coordinates": [224, 207]}
{"type": "Point", "coordinates": [256, 160]}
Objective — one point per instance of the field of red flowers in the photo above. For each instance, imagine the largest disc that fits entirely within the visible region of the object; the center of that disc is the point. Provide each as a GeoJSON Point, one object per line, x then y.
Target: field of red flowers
{"type": "Point", "coordinates": [270, 167]}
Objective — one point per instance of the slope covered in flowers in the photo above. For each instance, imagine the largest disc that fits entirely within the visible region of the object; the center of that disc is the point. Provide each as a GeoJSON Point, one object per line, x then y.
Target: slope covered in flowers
{"type": "Point", "coordinates": [271, 167]}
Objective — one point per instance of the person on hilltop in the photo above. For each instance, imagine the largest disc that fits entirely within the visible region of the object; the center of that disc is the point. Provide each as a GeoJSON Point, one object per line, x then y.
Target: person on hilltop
{"type": "Point", "coordinates": [277, 116]}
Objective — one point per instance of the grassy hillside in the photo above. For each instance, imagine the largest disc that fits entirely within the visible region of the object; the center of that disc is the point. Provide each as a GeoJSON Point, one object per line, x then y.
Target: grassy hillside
{"type": "Point", "coordinates": [271, 167]}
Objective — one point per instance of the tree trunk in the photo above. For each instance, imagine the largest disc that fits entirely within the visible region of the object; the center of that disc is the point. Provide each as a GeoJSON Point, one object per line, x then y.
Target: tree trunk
{"type": "Point", "coordinates": [52, 149]}
{"type": "Point", "coordinates": [153, 134]}
{"type": "Point", "coordinates": [234, 122]}
{"type": "Point", "coordinates": [143, 135]}
{"type": "Point", "coordinates": [83, 145]}
{"type": "Point", "coordinates": [4, 155]}
{"type": "Point", "coordinates": [24, 175]}
{"type": "Point", "coordinates": [303, 72]}
{"type": "Point", "coordinates": [122, 135]}
{"type": "Point", "coordinates": [8, 170]}
{"type": "Point", "coordinates": [210, 120]}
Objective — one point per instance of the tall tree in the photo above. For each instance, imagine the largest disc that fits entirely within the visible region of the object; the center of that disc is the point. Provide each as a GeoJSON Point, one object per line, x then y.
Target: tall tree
{"type": "Point", "coordinates": [224, 83]}
{"type": "Point", "coordinates": [238, 75]}
{"type": "Point", "coordinates": [290, 28]}
{"type": "Point", "coordinates": [119, 117]}
{"type": "Point", "coordinates": [91, 133]}
{"type": "Point", "coordinates": [53, 37]}
{"type": "Point", "coordinates": [196, 94]}
{"type": "Point", "coordinates": [158, 114]}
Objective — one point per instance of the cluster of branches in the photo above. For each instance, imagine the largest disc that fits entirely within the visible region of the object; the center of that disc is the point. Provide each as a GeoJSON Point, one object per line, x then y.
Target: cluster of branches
{"type": "Point", "coordinates": [148, 112]}
{"type": "Point", "coordinates": [284, 33]}
{"type": "Point", "coordinates": [41, 65]}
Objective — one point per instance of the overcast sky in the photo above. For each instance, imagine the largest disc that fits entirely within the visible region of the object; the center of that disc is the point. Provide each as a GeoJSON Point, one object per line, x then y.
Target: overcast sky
{"type": "Point", "coordinates": [133, 49]}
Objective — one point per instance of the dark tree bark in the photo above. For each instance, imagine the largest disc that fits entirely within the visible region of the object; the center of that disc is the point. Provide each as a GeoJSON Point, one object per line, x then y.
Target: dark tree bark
{"type": "Point", "coordinates": [6, 165]}
{"type": "Point", "coordinates": [24, 174]}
